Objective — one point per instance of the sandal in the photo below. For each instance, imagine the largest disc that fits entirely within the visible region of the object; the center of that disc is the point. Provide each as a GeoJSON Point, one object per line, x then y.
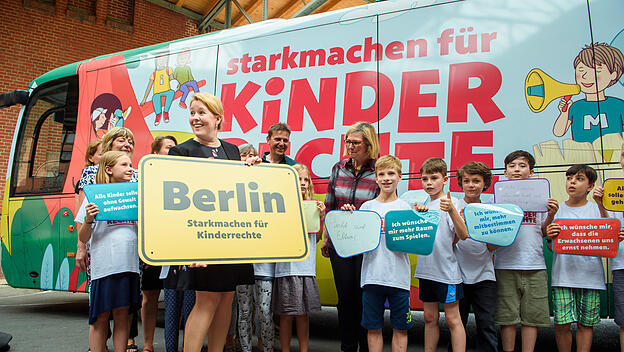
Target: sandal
{"type": "Point", "coordinates": [132, 348]}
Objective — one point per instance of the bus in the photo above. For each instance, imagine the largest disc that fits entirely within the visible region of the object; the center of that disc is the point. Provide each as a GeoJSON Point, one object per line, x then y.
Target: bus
{"type": "Point", "coordinates": [467, 80]}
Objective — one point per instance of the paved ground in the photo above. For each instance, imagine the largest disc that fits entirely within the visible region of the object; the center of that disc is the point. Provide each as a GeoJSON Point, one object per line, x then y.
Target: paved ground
{"type": "Point", "coordinates": [57, 321]}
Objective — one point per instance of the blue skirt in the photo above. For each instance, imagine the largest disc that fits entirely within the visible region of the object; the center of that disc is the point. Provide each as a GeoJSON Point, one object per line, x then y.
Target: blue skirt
{"type": "Point", "coordinates": [114, 291]}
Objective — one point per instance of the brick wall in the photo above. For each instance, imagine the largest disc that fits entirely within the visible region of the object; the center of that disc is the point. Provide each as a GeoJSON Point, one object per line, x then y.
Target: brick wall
{"type": "Point", "coordinates": [40, 35]}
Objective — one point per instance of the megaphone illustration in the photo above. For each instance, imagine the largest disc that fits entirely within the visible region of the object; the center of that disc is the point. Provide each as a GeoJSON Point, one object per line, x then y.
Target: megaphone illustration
{"type": "Point", "coordinates": [540, 89]}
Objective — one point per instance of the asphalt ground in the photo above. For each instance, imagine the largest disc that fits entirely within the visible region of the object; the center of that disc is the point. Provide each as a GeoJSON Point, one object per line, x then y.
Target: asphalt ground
{"type": "Point", "coordinates": [57, 321]}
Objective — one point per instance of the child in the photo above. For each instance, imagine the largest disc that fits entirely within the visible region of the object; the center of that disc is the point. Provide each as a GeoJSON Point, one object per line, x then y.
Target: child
{"type": "Point", "coordinates": [597, 67]}
{"type": "Point", "coordinates": [385, 274]}
{"type": "Point", "coordinates": [522, 281]}
{"type": "Point", "coordinates": [617, 267]}
{"type": "Point", "coordinates": [296, 293]}
{"type": "Point", "coordinates": [438, 273]}
{"type": "Point", "coordinates": [247, 151]}
{"type": "Point", "coordinates": [576, 279]}
{"type": "Point", "coordinates": [475, 262]}
{"type": "Point", "coordinates": [114, 261]}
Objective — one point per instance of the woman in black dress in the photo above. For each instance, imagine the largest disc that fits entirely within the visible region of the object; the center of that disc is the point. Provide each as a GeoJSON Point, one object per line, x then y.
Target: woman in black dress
{"type": "Point", "coordinates": [214, 284]}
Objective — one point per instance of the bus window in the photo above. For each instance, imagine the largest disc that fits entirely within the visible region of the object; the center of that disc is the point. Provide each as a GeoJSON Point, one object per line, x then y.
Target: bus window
{"type": "Point", "coordinates": [46, 138]}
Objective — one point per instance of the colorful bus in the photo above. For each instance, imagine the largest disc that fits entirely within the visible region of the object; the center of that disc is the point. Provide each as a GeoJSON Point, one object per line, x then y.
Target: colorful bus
{"type": "Point", "coordinates": [463, 80]}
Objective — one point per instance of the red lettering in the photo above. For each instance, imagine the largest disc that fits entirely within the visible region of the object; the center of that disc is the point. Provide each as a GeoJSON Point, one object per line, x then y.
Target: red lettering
{"type": "Point", "coordinates": [412, 100]}
{"type": "Point", "coordinates": [311, 150]}
{"type": "Point", "coordinates": [394, 50]}
{"type": "Point", "coordinates": [271, 108]}
{"type": "Point", "coordinates": [461, 152]}
{"type": "Point", "coordinates": [384, 97]}
{"type": "Point", "coordinates": [351, 54]}
{"type": "Point", "coordinates": [232, 67]}
{"type": "Point", "coordinates": [416, 154]}
{"type": "Point", "coordinates": [236, 106]}
{"type": "Point", "coordinates": [460, 95]}
{"type": "Point", "coordinates": [321, 111]}
{"type": "Point", "coordinates": [236, 141]}
{"type": "Point", "coordinates": [288, 59]}
{"type": "Point", "coordinates": [369, 47]}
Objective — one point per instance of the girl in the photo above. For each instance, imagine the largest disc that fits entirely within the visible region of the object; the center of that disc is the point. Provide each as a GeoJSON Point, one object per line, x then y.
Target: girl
{"type": "Point", "coordinates": [114, 261]}
{"type": "Point", "coordinates": [296, 293]}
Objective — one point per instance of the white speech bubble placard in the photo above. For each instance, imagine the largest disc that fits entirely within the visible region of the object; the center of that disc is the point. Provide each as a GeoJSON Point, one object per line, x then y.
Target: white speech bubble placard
{"type": "Point", "coordinates": [312, 218]}
{"type": "Point", "coordinates": [529, 194]}
{"type": "Point", "coordinates": [353, 233]}
{"type": "Point", "coordinates": [415, 196]}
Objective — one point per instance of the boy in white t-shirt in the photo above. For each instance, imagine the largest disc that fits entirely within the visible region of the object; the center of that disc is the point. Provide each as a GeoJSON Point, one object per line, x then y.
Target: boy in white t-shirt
{"type": "Point", "coordinates": [521, 277]}
{"type": "Point", "coordinates": [385, 273]}
{"type": "Point", "coordinates": [576, 279]}
{"type": "Point", "coordinates": [438, 273]}
{"type": "Point", "coordinates": [475, 262]}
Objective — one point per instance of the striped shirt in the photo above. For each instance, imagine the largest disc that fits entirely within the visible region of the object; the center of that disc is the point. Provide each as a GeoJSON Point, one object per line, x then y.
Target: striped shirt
{"type": "Point", "coordinates": [345, 187]}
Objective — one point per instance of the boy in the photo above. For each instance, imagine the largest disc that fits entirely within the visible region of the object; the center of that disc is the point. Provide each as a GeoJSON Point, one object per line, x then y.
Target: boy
{"type": "Point", "coordinates": [522, 281]}
{"type": "Point", "coordinates": [475, 262]}
{"type": "Point", "coordinates": [385, 274]}
{"type": "Point", "coordinates": [596, 67]}
{"type": "Point", "coordinates": [438, 273]}
{"type": "Point", "coordinates": [576, 279]}
{"type": "Point", "coordinates": [617, 266]}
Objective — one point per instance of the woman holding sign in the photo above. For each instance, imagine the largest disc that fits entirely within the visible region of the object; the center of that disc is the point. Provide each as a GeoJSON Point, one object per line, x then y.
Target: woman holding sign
{"type": "Point", "coordinates": [352, 181]}
{"type": "Point", "coordinates": [215, 284]}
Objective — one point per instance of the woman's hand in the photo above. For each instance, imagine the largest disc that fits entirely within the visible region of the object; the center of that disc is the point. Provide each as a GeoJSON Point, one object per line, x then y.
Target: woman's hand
{"type": "Point", "coordinates": [348, 207]}
{"type": "Point", "coordinates": [252, 160]}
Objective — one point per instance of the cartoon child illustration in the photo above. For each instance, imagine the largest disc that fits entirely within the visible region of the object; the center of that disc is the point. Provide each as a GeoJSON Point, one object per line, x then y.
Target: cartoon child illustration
{"type": "Point", "coordinates": [590, 120]}
{"type": "Point", "coordinates": [160, 80]}
{"type": "Point", "coordinates": [106, 113]}
{"type": "Point", "coordinates": [183, 75]}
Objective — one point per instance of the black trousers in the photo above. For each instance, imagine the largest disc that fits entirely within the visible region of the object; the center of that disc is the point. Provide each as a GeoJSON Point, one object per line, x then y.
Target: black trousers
{"type": "Point", "coordinates": [347, 272]}
{"type": "Point", "coordinates": [482, 297]}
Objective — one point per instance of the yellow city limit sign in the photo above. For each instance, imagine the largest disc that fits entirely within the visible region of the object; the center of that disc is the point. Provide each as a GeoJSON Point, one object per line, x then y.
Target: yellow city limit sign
{"type": "Point", "coordinates": [194, 210]}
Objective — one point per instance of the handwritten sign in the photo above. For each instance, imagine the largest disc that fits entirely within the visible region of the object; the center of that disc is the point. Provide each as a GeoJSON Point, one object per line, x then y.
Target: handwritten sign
{"type": "Point", "coordinates": [596, 237]}
{"type": "Point", "coordinates": [613, 198]}
{"type": "Point", "coordinates": [411, 231]}
{"type": "Point", "coordinates": [115, 201]}
{"type": "Point", "coordinates": [415, 196]}
{"type": "Point", "coordinates": [312, 218]}
{"type": "Point", "coordinates": [353, 233]}
{"type": "Point", "coordinates": [496, 224]}
{"type": "Point", "coordinates": [529, 194]}
{"type": "Point", "coordinates": [195, 210]}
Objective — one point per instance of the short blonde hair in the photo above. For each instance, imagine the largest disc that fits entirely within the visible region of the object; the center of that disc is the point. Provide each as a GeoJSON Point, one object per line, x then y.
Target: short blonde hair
{"type": "Point", "coordinates": [309, 193]}
{"type": "Point", "coordinates": [91, 150]}
{"type": "Point", "coordinates": [212, 103]}
{"type": "Point", "coordinates": [388, 162]}
{"type": "Point", "coordinates": [109, 159]}
{"type": "Point", "coordinates": [434, 165]}
{"type": "Point", "coordinates": [114, 133]}
{"type": "Point", "coordinates": [368, 134]}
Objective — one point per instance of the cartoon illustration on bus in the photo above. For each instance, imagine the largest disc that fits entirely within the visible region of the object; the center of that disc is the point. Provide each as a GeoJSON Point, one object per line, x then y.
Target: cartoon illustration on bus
{"type": "Point", "coordinates": [434, 80]}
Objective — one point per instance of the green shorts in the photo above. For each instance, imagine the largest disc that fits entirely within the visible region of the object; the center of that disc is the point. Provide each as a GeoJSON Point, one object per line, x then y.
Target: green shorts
{"type": "Point", "coordinates": [522, 297]}
{"type": "Point", "coordinates": [580, 305]}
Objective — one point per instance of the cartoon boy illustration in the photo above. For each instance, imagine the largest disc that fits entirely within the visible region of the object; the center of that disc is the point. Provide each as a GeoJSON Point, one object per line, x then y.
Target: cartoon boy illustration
{"type": "Point", "coordinates": [183, 75]}
{"type": "Point", "coordinates": [590, 120]}
{"type": "Point", "coordinates": [160, 80]}
{"type": "Point", "coordinates": [106, 113]}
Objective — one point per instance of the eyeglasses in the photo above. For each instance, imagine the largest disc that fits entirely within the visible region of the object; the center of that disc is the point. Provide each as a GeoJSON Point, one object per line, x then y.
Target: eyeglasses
{"type": "Point", "coordinates": [353, 143]}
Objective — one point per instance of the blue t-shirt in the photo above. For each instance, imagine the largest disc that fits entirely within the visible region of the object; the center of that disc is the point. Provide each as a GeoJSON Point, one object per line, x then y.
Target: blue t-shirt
{"type": "Point", "coordinates": [585, 120]}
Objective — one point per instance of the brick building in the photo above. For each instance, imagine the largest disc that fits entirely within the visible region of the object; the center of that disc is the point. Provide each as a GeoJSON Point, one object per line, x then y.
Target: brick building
{"type": "Point", "coordinates": [40, 35]}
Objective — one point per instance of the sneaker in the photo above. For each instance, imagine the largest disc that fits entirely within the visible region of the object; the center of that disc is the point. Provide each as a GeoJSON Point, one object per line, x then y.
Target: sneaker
{"type": "Point", "coordinates": [183, 105]}
{"type": "Point", "coordinates": [166, 116]}
{"type": "Point", "coordinates": [157, 121]}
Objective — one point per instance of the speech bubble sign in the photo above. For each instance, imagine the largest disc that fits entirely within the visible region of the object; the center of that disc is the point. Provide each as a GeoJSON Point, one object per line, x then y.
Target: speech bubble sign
{"type": "Point", "coordinates": [497, 224]}
{"type": "Point", "coordinates": [613, 198]}
{"type": "Point", "coordinates": [410, 231]}
{"type": "Point", "coordinates": [353, 233]}
{"type": "Point", "coordinates": [115, 201]}
{"type": "Point", "coordinates": [415, 196]}
{"type": "Point", "coordinates": [312, 216]}
{"type": "Point", "coordinates": [195, 210]}
{"type": "Point", "coordinates": [529, 194]}
{"type": "Point", "coordinates": [595, 237]}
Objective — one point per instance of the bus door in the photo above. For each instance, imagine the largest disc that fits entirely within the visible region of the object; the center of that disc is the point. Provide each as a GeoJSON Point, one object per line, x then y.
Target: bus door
{"type": "Point", "coordinates": [42, 238]}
